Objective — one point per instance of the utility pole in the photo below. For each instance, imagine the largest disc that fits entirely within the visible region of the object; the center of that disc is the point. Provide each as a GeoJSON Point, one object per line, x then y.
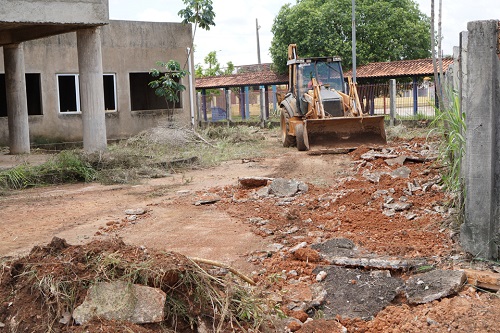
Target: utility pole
{"type": "Point", "coordinates": [258, 44]}
{"type": "Point", "coordinates": [354, 41]}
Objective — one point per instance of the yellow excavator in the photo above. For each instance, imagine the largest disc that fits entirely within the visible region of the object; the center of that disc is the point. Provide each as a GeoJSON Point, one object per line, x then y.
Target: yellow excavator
{"type": "Point", "coordinates": [318, 112]}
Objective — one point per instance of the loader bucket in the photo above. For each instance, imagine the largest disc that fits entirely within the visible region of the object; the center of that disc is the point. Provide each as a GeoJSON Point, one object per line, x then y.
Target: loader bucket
{"type": "Point", "coordinates": [344, 132]}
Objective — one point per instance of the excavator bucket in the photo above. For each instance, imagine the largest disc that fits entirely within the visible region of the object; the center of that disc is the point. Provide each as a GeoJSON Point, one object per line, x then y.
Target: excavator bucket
{"type": "Point", "coordinates": [342, 132]}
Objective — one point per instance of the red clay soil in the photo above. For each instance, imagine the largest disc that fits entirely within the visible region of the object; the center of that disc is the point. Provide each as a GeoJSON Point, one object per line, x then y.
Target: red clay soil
{"type": "Point", "coordinates": [342, 201]}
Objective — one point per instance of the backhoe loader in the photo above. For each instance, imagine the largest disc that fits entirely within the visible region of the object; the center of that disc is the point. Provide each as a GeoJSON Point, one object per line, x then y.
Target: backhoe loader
{"type": "Point", "coordinates": [318, 112]}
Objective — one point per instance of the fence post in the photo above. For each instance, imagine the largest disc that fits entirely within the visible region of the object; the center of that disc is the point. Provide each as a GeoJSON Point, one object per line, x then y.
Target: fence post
{"type": "Point", "coordinates": [228, 104]}
{"type": "Point", "coordinates": [392, 101]}
{"type": "Point", "coordinates": [204, 104]}
{"type": "Point", "coordinates": [274, 97]}
{"type": "Point", "coordinates": [242, 103]}
{"type": "Point", "coordinates": [415, 96]}
{"type": "Point", "coordinates": [247, 103]}
{"type": "Point", "coordinates": [262, 105]}
{"type": "Point", "coordinates": [199, 106]}
{"type": "Point", "coordinates": [480, 232]}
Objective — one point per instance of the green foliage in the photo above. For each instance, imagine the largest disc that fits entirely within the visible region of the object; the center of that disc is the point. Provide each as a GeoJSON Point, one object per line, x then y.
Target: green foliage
{"type": "Point", "coordinates": [386, 30]}
{"type": "Point", "coordinates": [450, 124]}
{"type": "Point", "coordinates": [213, 66]}
{"type": "Point", "coordinates": [66, 167]}
{"type": "Point", "coordinates": [199, 12]}
{"type": "Point", "coordinates": [167, 84]}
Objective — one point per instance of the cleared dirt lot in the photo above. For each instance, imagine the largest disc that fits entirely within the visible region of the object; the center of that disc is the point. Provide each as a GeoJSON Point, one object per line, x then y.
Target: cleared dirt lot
{"type": "Point", "coordinates": [349, 196]}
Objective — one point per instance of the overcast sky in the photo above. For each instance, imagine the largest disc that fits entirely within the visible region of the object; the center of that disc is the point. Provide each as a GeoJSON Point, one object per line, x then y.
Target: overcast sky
{"type": "Point", "coordinates": [234, 36]}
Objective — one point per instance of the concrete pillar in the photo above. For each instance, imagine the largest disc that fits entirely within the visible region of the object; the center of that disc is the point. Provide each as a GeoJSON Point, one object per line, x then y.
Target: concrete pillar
{"type": "Point", "coordinates": [392, 98]}
{"type": "Point", "coordinates": [480, 232]}
{"type": "Point", "coordinates": [91, 89]}
{"type": "Point", "coordinates": [204, 104]}
{"type": "Point", "coordinates": [262, 105]}
{"type": "Point", "coordinates": [242, 103]}
{"type": "Point", "coordinates": [415, 96]}
{"type": "Point", "coordinates": [228, 104]}
{"type": "Point", "coordinates": [17, 105]}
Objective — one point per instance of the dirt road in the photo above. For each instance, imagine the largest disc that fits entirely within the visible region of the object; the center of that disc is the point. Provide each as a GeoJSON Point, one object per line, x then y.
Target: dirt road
{"type": "Point", "coordinates": [386, 205]}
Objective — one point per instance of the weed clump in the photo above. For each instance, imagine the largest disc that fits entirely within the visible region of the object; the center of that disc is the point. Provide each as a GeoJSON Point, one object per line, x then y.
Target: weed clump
{"type": "Point", "coordinates": [53, 280]}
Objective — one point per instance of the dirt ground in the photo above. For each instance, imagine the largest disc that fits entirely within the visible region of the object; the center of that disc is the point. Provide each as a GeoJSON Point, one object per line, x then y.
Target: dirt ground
{"type": "Point", "coordinates": [348, 197]}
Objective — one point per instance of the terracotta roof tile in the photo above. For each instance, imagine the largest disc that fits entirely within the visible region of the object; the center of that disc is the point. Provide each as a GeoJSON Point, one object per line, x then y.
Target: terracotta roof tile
{"type": "Point", "coordinates": [394, 69]}
{"type": "Point", "coordinates": [243, 79]}
{"type": "Point", "coordinates": [419, 67]}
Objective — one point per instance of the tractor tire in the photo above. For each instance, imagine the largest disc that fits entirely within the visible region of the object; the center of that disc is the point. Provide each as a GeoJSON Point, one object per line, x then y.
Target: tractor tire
{"type": "Point", "coordinates": [301, 136]}
{"type": "Point", "coordinates": [287, 139]}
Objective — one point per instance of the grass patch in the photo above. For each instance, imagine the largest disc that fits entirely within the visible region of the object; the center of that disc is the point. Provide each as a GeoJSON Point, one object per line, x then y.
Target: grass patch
{"type": "Point", "coordinates": [450, 126]}
{"type": "Point", "coordinates": [154, 153]}
{"type": "Point", "coordinates": [65, 167]}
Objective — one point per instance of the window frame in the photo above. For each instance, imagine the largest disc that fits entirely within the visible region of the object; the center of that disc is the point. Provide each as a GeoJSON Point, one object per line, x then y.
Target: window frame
{"type": "Point", "coordinates": [77, 93]}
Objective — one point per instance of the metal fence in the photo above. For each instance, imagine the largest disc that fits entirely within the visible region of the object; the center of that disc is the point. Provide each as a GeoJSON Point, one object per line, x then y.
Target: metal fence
{"type": "Point", "coordinates": [412, 102]}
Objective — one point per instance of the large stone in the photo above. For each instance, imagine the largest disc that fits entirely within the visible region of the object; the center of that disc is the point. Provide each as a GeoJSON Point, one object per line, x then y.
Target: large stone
{"type": "Point", "coordinates": [282, 187]}
{"type": "Point", "coordinates": [427, 287]}
{"type": "Point", "coordinates": [356, 293]}
{"type": "Point", "coordinates": [251, 182]}
{"type": "Point", "coordinates": [336, 247]}
{"type": "Point", "coordinates": [122, 301]}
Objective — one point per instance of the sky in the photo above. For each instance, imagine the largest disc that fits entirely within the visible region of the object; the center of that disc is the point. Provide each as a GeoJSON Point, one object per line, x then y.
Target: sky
{"type": "Point", "coordinates": [234, 35]}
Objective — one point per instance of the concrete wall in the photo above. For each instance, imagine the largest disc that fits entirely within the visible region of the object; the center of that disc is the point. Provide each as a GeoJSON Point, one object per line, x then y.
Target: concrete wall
{"type": "Point", "coordinates": [127, 47]}
{"type": "Point", "coordinates": [55, 11]}
{"type": "Point", "coordinates": [480, 234]}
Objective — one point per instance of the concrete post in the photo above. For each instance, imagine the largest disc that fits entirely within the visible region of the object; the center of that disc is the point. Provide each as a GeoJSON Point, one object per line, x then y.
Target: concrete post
{"type": "Point", "coordinates": [17, 105]}
{"type": "Point", "coordinates": [199, 104]}
{"type": "Point", "coordinates": [91, 89]}
{"type": "Point", "coordinates": [262, 103]}
{"type": "Point", "coordinates": [480, 232]}
{"type": "Point", "coordinates": [415, 96]}
{"type": "Point", "coordinates": [247, 103]}
{"type": "Point", "coordinates": [228, 104]}
{"type": "Point", "coordinates": [392, 99]}
{"type": "Point", "coordinates": [464, 36]}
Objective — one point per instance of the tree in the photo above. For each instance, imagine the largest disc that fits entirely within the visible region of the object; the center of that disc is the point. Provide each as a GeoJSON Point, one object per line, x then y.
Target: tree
{"type": "Point", "coordinates": [199, 12]}
{"type": "Point", "coordinates": [167, 84]}
{"type": "Point", "coordinates": [387, 30]}
{"type": "Point", "coordinates": [214, 67]}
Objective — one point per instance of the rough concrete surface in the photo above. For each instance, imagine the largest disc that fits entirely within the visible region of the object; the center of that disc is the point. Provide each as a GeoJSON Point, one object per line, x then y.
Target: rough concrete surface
{"type": "Point", "coordinates": [122, 301]}
{"type": "Point", "coordinates": [357, 293]}
{"type": "Point", "coordinates": [427, 287]}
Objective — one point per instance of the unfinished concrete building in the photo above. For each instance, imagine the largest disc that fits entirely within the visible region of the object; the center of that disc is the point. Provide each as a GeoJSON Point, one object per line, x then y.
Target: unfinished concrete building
{"type": "Point", "coordinates": [68, 73]}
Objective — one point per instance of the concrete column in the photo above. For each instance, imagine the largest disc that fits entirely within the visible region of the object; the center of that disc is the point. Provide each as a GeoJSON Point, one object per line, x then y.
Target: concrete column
{"type": "Point", "coordinates": [228, 104]}
{"type": "Point", "coordinates": [262, 105]}
{"type": "Point", "coordinates": [91, 89]}
{"type": "Point", "coordinates": [17, 105]}
{"type": "Point", "coordinates": [480, 232]}
{"type": "Point", "coordinates": [392, 98]}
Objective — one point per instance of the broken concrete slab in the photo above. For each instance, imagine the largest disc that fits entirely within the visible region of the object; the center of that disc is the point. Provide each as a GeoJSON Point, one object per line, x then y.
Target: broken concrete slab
{"type": "Point", "coordinates": [398, 206]}
{"type": "Point", "coordinates": [251, 182]}
{"type": "Point", "coordinates": [354, 293]}
{"type": "Point", "coordinates": [137, 211]}
{"type": "Point", "coordinates": [433, 285]}
{"type": "Point", "coordinates": [376, 262]}
{"type": "Point", "coordinates": [400, 160]}
{"type": "Point", "coordinates": [402, 172]}
{"type": "Point", "coordinates": [282, 187]}
{"type": "Point", "coordinates": [372, 155]}
{"type": "Point", "coordinates": [341, 247]}
{"type": "Point", "coordinates": [120, 300]}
